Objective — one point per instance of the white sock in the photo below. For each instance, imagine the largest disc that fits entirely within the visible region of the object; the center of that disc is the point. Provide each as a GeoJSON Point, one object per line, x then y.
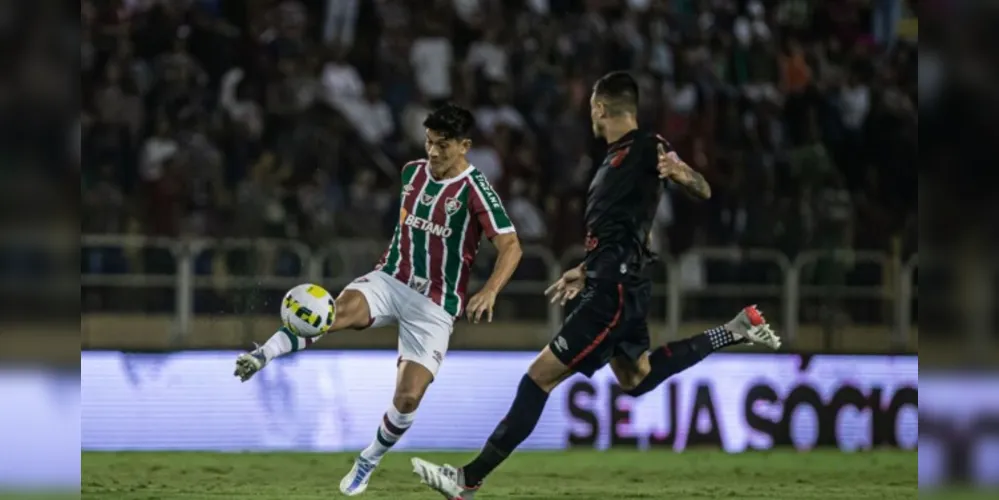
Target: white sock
{"type": "Point", "coordinates": [284, 342]}
{"type": "Point", "coordinates": [393, 425]}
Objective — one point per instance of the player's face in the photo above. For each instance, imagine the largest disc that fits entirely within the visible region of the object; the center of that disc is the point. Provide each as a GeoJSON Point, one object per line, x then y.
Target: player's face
{"type": "Point", "coordinates": [596, 112]}
{"type": "Point", "coordinates": [442, 152]}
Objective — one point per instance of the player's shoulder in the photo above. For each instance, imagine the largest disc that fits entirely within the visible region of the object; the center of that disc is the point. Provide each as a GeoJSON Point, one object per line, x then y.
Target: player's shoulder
{"type": "Point", "coordinates": [653, 139]}
{"type": "Point", "coordinates": [479, 185]}
{"type": "Point", "coordinates": [410, 170]}
{"type": "Point", "coordinates": [475, 175]}
{"type": "Point", "coordinates": [414, 164]}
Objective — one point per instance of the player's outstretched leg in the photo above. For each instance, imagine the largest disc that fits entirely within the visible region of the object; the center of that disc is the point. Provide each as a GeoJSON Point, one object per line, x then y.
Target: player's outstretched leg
{"type": "Point", "coordinates": [749, 326]}
{"type": "Point", "coordinates": [352, 312]}
{"type": "Point", "coordinates": [545, 373]}
{"type": "Point", "coordinates": [412, 383]}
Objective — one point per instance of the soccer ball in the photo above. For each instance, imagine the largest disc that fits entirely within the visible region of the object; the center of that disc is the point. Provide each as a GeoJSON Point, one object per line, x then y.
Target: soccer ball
{"type": "Point", "coordinates": [308, 310]}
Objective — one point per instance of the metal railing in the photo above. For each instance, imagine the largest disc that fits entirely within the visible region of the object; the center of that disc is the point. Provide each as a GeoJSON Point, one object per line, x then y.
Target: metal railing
{"type": "Point", "coordinates": [338, 264]}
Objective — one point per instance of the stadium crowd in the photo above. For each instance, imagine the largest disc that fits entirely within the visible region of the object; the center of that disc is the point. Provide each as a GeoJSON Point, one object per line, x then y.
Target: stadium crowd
{"type": "Point", "coordinates": [290, 119]}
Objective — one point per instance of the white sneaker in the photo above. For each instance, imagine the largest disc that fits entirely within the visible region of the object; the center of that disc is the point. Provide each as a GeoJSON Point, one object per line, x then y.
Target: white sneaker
{"type": "Point", "coordinates": [249, 363]}
{"type": "Point", "coordinates": [356, 481]}
{"type": "Point", "coordinates": [443, 479]}
{"type": "Point", "coordinates": [751, 326]}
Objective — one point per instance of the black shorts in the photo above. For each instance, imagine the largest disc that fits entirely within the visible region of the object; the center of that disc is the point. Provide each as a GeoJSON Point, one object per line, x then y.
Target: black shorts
{"type": "Point", "coordinates": [610, 321]}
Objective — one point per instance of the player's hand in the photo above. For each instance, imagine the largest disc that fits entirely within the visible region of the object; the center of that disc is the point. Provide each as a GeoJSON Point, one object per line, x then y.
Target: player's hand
{"type": "Point", "coordinates": [670, 165]}
{"type": "Point", "coordinates": [481, 303]}
{"type": "Point", "coordinates": [567, 287]}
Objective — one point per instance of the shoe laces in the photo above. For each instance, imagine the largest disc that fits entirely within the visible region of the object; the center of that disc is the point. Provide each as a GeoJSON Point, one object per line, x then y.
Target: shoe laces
{"type": "Point", "coordinates": [258, 352]}
{"type": "Point", "coordinates": [764, 332]}
{"type": "Point", "coordinates": [451, 472]}
{"type": "Point", "coordinates": [364, 467]}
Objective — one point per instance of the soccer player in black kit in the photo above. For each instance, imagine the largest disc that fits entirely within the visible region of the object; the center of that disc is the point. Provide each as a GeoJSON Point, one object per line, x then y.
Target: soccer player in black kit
{"type": "Point", "coordinates": [609, 324]}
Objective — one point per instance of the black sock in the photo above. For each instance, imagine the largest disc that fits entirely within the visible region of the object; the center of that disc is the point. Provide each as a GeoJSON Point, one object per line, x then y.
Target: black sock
{"type": "Point", "coordinates": [676, 357]}
{"type": "Point", "coordinates": [519, 422]}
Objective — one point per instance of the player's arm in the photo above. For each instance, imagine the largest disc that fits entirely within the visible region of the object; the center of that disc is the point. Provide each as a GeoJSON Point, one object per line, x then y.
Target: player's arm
{"type": "Point", "coordinates": [491, 215]}
{"type": "Point", "coordinates": [507, 258]}
{"type": "Point", "coordinates": [672, 168]}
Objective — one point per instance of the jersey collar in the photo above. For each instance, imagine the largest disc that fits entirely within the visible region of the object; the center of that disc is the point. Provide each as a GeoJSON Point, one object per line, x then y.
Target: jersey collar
{"type": "Point", "coordinates": [623, 142]}
{"type": "Point", "coordinates": [445, 182]}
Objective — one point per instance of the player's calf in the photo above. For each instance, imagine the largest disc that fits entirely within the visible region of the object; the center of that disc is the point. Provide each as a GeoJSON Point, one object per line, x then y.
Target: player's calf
{"type": "Point", "coordinates": [544, 374]}
{"type": "Point", "coordinates": [410, 388]}
{"type": "Point", "coordinates": [748, 326]}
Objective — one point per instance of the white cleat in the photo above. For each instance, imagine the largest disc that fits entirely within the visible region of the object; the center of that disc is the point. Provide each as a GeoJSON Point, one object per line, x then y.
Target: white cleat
{"type": "Point", "coordinates": [443, 479]}
{"type": "Point", "coordinates": [356, 481]}
{"type": "Point", "coordinates": [751, 326]}
{"type": "Point", "coordinates": [249, 363]}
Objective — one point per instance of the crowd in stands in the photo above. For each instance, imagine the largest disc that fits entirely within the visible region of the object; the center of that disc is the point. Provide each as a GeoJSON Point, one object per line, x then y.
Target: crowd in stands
{"type": "Point", "coordinates": [290, 119]}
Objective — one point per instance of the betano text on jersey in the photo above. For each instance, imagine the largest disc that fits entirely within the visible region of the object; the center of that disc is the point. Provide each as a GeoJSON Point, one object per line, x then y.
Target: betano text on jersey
{"type": "Point", "coordinates": [440, 226]}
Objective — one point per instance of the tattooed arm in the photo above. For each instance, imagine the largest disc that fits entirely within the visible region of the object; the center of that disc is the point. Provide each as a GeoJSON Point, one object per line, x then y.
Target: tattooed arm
{"type": "Point", "coordinates": [692, 181]}
{"type": "Point", "coordinates": [673, 168]}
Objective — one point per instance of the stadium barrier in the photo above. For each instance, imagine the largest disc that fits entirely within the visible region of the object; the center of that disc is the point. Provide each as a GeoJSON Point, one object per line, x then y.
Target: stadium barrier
{"type": "Point", "coordinates": [327, 401]}
{"type": "Point", "coordinates": [276, 265]}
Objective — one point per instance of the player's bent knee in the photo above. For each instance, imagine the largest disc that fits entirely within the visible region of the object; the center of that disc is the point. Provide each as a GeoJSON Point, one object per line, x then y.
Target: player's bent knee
{"type": "Point", "coordinates": [412, 384]}
{"type": "Point", "coordinates": [351, 311]}
{"type": "Point", "coordinates": [547, 370]}
{"type": "Point", "coordinates": [629, 381]}
{"type": "Point", "coordinates": [630, 373]}
{"type": "Point", "coordinates": [406, 402]}
{"type": "Point", "coordinates": [407, 396]}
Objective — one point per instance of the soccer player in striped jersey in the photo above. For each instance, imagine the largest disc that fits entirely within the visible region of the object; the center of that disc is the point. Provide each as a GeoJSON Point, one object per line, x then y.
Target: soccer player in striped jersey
{"type": "Point", "coordinates": [420, 282]}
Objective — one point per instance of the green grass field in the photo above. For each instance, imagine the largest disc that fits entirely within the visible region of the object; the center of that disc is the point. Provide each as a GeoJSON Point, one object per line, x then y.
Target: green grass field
{"type": "Point", "coordinates": [577, 475]}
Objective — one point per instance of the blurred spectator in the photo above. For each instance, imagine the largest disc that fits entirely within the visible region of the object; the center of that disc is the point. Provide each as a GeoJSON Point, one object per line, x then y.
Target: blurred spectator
{"type": "Point", "coordinates": [369, 115]}
{"type": "Point", "coordinates": [245, 115]}
{"type": "Point", "coordinates": [159, 148]}
{"type": "Point", "coordinates": [341, 81]}
{"type": "Point", "coordinates": [258, 207]}
{"type": "Point", "coordinates": [104, 203]}
{"type": "Point", "coordinates": [341, 22]}
{"type": "Point", "coordinates": [432, 60]}
{"type": "Point", "coordinates": [488, 56]}
{"type": "Point", "coordinates": [293, 90]}
{"type": "Point", "coordinates": [498, 110]}
{"type": "Point", "coordinates": [412, 123]}
{"type": "Point", "coordinates": [527, 217]}
{"type": "Point", "coordinates": [318, 199]}
{"type": "Point", "coordinates": [367, 203]}
{"type": "Point", "coordinates": [485, 158]}
{"type": "Point", "coordinates": [855, 103]}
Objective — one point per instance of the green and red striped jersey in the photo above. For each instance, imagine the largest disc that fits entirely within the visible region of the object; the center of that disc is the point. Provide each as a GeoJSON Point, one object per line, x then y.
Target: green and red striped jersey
{"type": "Point", "coordinates": [440, 226]}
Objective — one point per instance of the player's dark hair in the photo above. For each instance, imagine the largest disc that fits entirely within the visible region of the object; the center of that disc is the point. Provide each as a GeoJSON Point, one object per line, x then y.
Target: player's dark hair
{"type": "Point", "coordinates": [619, 92]}
{"type": "Point", "coordinates": [450, 121]}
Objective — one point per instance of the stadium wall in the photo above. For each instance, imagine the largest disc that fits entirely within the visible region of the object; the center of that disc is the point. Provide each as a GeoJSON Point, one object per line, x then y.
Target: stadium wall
{"type": "Point", "coordinates": [738, 402]}
{"type": "Point", "coordinates": [328, 400]}
{"type": "Point", "coordinates": [323, 401]}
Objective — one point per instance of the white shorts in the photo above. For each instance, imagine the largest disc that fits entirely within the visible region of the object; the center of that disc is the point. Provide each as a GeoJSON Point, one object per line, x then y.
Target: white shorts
{"type": "Point", "coordinates": [424, 327]}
